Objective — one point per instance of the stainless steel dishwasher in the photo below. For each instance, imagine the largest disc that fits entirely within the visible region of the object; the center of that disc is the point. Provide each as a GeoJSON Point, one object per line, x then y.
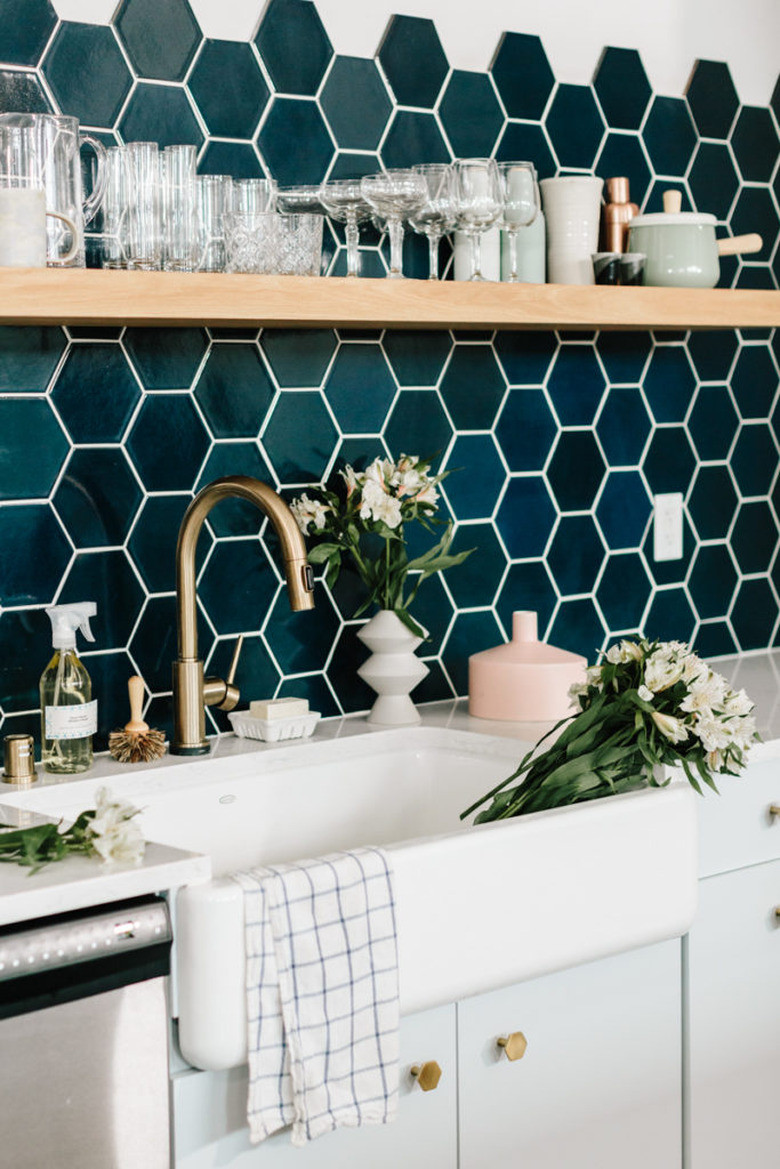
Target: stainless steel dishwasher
{"type": "Point", "coordinates": [84, 1039]}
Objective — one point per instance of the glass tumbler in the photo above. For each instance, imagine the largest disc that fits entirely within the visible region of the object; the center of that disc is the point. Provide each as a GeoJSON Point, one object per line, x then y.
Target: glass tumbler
{"type": "Point", "coordinates": [115, 209]}
{"type": "Point", "coordinates": [144, 206]}
{"type": "Point", "coordinates": [299, 244]}
{"type": "Point", "coordinates": [214, 197]}
{"type": "Point", "coordinates": [180, 222]}
{"type": "Point", "coordinates": [254, 195]}
{"type": "Point", "coordinates": [251, 241]}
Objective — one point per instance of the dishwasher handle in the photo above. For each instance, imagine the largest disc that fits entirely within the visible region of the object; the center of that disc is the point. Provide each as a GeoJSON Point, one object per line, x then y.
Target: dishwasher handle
{"type": "Point", "coordinates": [75, 955]}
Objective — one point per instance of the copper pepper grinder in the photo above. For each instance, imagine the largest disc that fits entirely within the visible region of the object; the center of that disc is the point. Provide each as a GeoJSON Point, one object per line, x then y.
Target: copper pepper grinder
{"type": "Point", "coordinates": [618, 213]}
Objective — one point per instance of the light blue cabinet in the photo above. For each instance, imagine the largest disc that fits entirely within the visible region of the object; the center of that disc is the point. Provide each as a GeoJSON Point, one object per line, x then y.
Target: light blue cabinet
{"type": "Point", "coordinates": [599, 1084]}
{"type": "Point", "coordinates": [732, 961]}
{"type": "Point", "coordinates": [209, 1116]}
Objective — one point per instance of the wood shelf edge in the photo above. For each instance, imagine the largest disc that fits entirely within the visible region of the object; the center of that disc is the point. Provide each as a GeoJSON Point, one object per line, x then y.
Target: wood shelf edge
{"type": "Point", "coordinates": [100, 297]}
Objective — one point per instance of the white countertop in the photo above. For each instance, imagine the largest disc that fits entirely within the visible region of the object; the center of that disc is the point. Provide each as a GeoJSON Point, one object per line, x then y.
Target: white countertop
{"type": "Point", "coordinates": [78, 882]}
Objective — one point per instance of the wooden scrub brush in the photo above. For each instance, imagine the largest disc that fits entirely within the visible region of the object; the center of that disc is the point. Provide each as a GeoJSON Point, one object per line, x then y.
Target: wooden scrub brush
{"type": "Point", "coordinates": [136, 743]}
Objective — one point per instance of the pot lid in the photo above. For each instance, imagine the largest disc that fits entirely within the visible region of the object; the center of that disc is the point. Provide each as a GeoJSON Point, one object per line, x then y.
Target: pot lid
{"type": "Point", "coordinates": [677, 219]}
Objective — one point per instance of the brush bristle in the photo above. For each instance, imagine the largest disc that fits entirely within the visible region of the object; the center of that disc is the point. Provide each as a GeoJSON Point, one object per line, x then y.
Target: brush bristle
{"type": "Point", "coordinates": [134, 747]}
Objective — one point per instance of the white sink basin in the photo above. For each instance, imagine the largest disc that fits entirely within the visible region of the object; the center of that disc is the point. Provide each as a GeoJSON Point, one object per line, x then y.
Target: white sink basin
{"type": "Point", "coordinates": [478, 907]}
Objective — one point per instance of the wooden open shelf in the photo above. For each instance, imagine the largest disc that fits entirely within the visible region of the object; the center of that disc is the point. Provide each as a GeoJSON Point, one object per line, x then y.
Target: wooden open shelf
{"type": "Point", "coordinates": [99, 297]}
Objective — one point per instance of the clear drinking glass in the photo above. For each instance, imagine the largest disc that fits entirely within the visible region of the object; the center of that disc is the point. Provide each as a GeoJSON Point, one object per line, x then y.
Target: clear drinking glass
{"type": "Point", "coordinates": [343, 201]}
{"type": "Point", "coordinates": [395, 195]}
{"type": "Point", "coordinates": [214, 197]}
{"type": "Point", "coordinates": [299, 244]}
{"type": "Point", "coordinates": [251, 241]}
{"type": "Point", "coordinates": [436, 216]}
{"type": "Point", "coordinates": [180, 222]}
{"type": "Point", "coordinates": [254, 195]}
{"type": "Point", "coordinates": [144, 206]}
{"type": "Point", "coordinates": [115, 209]}
{"type": "Point", "coordinates": [521, 205]}
{"type": "Point", "coordinates": [478, 202]}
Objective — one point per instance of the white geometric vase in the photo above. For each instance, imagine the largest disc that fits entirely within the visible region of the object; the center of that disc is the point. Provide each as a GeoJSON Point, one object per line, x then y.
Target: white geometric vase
{"type": "Point", "coordinates": [392, 670]}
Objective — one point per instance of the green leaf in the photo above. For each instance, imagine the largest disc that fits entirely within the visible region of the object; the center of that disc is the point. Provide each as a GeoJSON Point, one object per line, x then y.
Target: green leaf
{"type": "Point", "coordinates": [410, 623]}
{"type": "Point", "coordinates": [332, 574]}
{"type": "Point", "coordinates": [319, 553]}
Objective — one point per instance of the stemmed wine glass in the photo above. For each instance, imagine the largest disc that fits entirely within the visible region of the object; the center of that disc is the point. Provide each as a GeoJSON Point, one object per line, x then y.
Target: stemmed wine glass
{"type": "Point", "coordinates": [521, 205]}
{"type": "Point", "coordinates": [343, 201]}
{"type": "Point", "coordinates": [395, 195]}
{"type": "Point", "coordinates": [436, 216]}
{"type": "Point", "coordinates": [478, 203]}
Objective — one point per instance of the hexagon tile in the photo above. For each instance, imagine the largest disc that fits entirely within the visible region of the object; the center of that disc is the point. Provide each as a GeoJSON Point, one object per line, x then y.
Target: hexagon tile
{"type": "Point", "coordinates": [554, 447]}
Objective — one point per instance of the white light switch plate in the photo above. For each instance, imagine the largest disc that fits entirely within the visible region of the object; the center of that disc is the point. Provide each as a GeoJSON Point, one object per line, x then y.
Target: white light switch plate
{"type": "Point", "coordinates": [668, 526]}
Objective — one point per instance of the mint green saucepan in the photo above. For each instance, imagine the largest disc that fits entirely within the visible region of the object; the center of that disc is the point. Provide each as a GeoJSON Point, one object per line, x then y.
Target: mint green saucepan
{"type": "Point", "coordinates": [681, 248]}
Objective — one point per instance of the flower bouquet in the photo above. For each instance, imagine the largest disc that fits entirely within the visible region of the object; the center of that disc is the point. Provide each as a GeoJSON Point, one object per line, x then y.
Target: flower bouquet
{"type": "Point", "coordinates": [106, 831]}
{"type": "Point", "coordinates": [646, 705]}
{"type": "Point", "coordinates": [364, 522]}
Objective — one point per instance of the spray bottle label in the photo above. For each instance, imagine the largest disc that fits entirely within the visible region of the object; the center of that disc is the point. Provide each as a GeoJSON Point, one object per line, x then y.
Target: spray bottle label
{"type": "Point", "coordinates": [70, 722]}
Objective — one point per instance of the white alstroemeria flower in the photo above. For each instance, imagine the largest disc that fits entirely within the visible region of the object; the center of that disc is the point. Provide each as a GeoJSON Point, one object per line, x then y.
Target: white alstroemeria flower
{"type": "Point", "coordinates": [624, 651]}
{"type": "Point", "coordinates": [113, 834]}
{"type": "Point", "coordinates": [388, 511]}
{"type": "Point", "coordinates": [736, 702]}
{"type": "Point", "coordinates": [576, 690]}
{"type": "Point", "coordinates": [377, 505]}
{"type": "Point", "coordinates": [743, 732]}
{"type": "Point", "coordinates": [593, 675]}
{"type": "Point", "coordinates": [379, 474]}
{"type": "Point", "coordinates": [694, 669]}
{"type": "Point", "coordinates": [428, 494]}
{"type": "Point", "coordinates": [704, 695]}
{"type": "Point", "coordinates": [350, 478]}
{"type": "Point", "coordinates": [645, 694]}
{"type": "Point", "coordinates": [670, 727]}
{"type": "Point", "coordinates": [714, 760]}
{"type": "Point", "coordinates": [123, 844]}
{"type": "Point", "coordinates": [407, 479]}
{"type": "Point", "coordinates": [310, 511]}
{"type": "Point", "coordinates": [662, 671]}
{"type": "Point", "coordinates": [714, 734]}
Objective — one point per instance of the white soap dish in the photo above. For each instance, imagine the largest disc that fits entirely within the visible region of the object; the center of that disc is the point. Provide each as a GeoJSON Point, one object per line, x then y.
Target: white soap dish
{"type": "Point", "coordinates": [273, 730]}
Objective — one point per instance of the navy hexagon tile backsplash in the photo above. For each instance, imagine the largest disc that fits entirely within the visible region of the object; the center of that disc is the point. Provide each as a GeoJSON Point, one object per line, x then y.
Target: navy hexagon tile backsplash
{"type": "Point", "coordinates": [559, 442]}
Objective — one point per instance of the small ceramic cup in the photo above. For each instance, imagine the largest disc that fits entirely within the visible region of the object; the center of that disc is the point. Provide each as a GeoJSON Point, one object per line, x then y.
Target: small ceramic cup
{"type": "Point", "coordinates": [606, 267]}
{"type": "Point", "coordinates": [632, 267]}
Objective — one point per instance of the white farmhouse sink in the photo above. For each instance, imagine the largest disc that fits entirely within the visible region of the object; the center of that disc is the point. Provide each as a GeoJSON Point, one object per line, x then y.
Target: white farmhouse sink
{"type": "Point", "coordinates": [478, 907]}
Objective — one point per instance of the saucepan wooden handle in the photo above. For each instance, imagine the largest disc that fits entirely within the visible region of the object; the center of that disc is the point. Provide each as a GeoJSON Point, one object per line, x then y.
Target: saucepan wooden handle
{"type": "Point", "coordinates": [740, 244]}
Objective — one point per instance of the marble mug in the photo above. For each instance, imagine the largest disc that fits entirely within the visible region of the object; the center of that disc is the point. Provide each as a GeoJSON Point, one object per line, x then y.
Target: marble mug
{"type": "Point", "coordinates": [23, 239]}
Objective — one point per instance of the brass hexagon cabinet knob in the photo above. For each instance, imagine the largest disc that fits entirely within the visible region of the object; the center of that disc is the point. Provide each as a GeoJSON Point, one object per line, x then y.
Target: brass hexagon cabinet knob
{"type": "Point", "coordinates": [426, 1074]}
{"type": "Point", "coordinates": [514, 1045]}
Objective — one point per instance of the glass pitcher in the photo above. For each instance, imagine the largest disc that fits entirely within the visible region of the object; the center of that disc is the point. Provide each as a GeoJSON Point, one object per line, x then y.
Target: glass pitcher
{"type": "Point", "coordinates": [57, 155]}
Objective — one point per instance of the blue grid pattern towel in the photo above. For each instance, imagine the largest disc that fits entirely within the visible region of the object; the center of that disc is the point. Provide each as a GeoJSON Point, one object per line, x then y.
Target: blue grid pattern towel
{"type": "Point", "coordinates": [322, 994]}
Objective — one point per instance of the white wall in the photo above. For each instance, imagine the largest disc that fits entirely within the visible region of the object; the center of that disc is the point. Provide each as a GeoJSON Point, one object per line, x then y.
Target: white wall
{"type": "Point", "coordinates": [670, 34]}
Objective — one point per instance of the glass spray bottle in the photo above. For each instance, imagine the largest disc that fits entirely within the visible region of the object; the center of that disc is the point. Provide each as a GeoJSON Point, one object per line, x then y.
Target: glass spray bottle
{"type": "Point", "coordinates": [68, 711]}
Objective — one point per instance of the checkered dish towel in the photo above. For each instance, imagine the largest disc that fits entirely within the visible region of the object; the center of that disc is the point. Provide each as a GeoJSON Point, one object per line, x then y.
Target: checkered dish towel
{"type": "Point", "coordinates": [322, 994]}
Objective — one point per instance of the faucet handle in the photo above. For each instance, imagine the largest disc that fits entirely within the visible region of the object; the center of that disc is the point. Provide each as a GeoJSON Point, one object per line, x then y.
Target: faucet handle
{"type": "Point", "coordinates": [224, 695]}
{"type": "Point", "coordinates": [234, 660]}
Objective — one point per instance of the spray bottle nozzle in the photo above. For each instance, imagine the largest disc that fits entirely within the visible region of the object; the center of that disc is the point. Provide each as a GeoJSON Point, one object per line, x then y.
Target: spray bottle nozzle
{"type": "Point", "coordinates": [66, 619]}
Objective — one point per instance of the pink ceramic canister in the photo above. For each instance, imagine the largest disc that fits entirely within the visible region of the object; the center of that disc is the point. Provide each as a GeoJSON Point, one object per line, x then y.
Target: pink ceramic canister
{"type": "Point", "coordinates": [524, 680]}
